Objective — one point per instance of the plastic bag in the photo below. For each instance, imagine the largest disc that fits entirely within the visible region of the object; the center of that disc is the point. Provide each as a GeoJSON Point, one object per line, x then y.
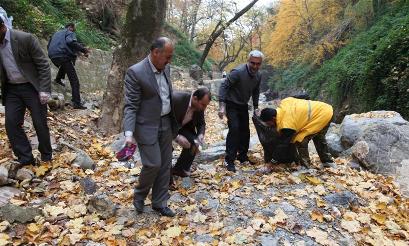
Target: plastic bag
{"type": "Point", "coordinates": [126, 152]}
{"type": "Point", "coordinates": [8, 21]}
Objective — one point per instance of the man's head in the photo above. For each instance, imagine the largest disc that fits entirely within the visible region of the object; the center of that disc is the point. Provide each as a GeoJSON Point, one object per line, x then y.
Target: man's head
{"type": "Point", "coordinates": [70, 26]}
{"type": "Point", "coordinates": [3, 30]}
{"type": "Point", "coordinates": [200, 99]}
{"type": "Point", "coordinates": [161, 52]}
{"type": "Point", "coordinates": [255, 60]}
{"type": "Point", "coordinates": [268, 116]}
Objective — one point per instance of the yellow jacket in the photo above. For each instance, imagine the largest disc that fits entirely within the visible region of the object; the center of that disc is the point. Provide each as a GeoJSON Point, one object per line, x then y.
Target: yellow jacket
{"type": "Point", "coordinates": [306, 117]}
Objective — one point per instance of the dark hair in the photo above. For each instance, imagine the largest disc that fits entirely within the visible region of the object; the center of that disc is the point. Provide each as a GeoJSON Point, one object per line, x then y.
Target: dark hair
{"type": "Point", "coordinates": [268, 114]}
{"type": "Point", "coordinates": [159, 43]}
{"type": "Point", "coordinates": [70, 25]}
{"type": "Point", "coordinates": [201, 92]}
{"type": "Point", "coordinates": [1, 20]}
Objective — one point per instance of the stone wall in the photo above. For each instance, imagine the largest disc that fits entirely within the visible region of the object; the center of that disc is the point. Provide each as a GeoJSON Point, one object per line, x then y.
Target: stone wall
{"type": "Point", "coordinates": [92, 71]}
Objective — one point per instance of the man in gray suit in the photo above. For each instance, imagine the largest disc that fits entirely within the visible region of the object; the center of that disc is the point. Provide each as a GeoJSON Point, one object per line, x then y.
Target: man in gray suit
{"type": "Point", "coordinates": [25, 84]}
{"type": "Point", "coordinates": [149, 118]}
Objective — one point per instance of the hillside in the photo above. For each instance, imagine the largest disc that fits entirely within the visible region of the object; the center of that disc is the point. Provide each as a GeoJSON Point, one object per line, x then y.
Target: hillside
{"type": "Point", "coordinates": [369, 73]}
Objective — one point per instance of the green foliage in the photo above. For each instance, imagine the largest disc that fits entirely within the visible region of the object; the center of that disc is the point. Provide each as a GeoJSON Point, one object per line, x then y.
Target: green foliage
{"type": "Point", "coordinates": [185, 53]}
{"type": "Point", "coordinates": [44, 17]}
{"type": "Point", "coordinates": [370, 73]}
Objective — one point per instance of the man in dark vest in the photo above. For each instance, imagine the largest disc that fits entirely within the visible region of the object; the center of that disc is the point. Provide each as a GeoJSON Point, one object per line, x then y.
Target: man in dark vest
{"type": "Point", "coordinates": [62, 50]}
{"type": "Point", "coordinates": [242, 83]}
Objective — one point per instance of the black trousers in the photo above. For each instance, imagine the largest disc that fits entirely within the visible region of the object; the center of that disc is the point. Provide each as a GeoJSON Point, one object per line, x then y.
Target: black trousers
{"type": "Point", "coordinates": [238, 137]}
{"type": "Point", "coordinates": [187, 156]}
{"type": "Point", "coordinates": [19, 98]}
{"type": "Point", "coordinates": [67, 66]}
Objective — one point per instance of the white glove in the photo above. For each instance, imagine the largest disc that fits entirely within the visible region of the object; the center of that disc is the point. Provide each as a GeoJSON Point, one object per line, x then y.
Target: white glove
{"type": "Point", "coordinates": [44, 97]}
{"type": "Point", "coordinates": [182, 141]}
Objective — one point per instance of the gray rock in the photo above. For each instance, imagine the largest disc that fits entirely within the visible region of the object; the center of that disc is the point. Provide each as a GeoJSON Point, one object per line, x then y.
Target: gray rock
{"type": "Point", "coordinates": [343, 198]}
{"type": "Point", "coordinates": [57, 101]}
{"type": "Point", "coordinates": [24, 173]}
{"type": "Point", "coordinates": [201, 195]}
{"type": "Point", "coordinates": [177, 198]}
{"type": "Point", "coordinates": [88, 185]}
{"type": "Point", "coordinates": [353, 126]}
{"type": "Point", "coordinates": [333, 138]}
{"type": "Point", "coordinates": [383, 148]}
{"type": "Point", "coordinates": [6, 193]}
{"type": "Point", "coordinates": [4, 174]}
{"type": "Point", "coordinates": [187, 183]}
{"type": "Point", "coordinates": [2, 109]}
{"type": "Point", "coordinates": [196, 73]}
{"type": "Point", "coordinates": [13, 213]}
{"type": "Point", "coordinates": [211, 154]}
{"type": "Point", "coordinates": [205, 238]}
{"type": "Point", "coordinates": [84, 161]}
{"type": "Point", "coordinates": [102, 205]}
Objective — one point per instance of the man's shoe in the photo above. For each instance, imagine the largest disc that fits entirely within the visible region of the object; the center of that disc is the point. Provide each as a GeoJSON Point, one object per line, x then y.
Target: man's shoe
{"type": "Point", "coordinates": [165, 211]}
{"type": "Point", "coordinates": [139, 205]}
{"type": "Point", "coordinates": [180, 173]}
{"type": "Point", "coordinates": [58, 81]}
{"type": "Point", "coordinates": [329, 165]}
{"type": "Point", "coordinates": [246, 162]}
{"type": "Point", "coordinates": [79, 106]}
{"type": "Point", "coordinates": [230, 167]}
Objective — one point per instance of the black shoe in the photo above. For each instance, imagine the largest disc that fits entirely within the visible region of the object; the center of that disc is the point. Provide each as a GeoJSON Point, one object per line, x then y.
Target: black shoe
{"type": "Point", "coordinates": [139, 205]}
{"type": "Point", "coordinates": [58, 81]}
{"type": "Point", "coordinates": [230, 167]}
{"type": "Point", "coordinates": [246, 161]}
{"type": "Point", "coordinates": [180, 173]}
{"type": "Point", "coordinates": [165, 211]}
{"type": "Point", "coordinates": [79, 106]}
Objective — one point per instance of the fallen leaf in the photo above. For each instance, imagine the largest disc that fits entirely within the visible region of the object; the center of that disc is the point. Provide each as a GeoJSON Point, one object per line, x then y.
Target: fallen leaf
{"type": "Point", "coordinates": [379, 218]}
{"type": "Point", "coordinates": [280, 217]}
{"type": "Point", "coordinates": [317, 215]}
{"type": "Point", "coordinates": [4, 225]}
{"type": "Point", "coordinates": [351, 225]}
{"type": "Point", "coordinates": [173, 231]}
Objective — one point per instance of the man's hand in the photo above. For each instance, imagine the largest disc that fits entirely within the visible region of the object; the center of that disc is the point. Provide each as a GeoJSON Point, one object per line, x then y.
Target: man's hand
{"type": "Point", "coordinates": [129, 138]}
{"type": "Point", "coordinates": [182, 141]}
{"type": "Point", "coordinates": [222, 111]}
{"type": "Point", "coordinates": [44, 97]}
{"type": "Point", "coordinates": [200, 138]}
{"type": "Point", "coordinates": [257, 112]}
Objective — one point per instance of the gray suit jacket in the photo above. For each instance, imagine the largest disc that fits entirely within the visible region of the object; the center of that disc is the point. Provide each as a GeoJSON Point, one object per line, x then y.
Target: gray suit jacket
{"type": "Point", "coordinates": [143, 105]}
{"type": "Point", "coordinates": [31, 61]}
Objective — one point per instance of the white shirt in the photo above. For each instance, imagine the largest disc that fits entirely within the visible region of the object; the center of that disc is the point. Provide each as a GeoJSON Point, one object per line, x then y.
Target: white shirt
{"type": "Point", "coordinates": [163, 88]}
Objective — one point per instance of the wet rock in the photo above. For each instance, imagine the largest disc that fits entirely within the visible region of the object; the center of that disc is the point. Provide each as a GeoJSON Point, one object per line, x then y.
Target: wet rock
{"type": "Point", "coordinates": [102, 205]}
{"type": "Point", "coordinates": [13, 213]}
{"type": "Point", "coordinates": [88, 185]}
{"type": "Point", "coordinates": [24, 174]}
{"type": "Point", "coordinates": [341, 198]}
{"type": "Point", "coordinates": [4, 174]}
{"type": "Point", "coordinates": [84, 161]}
{"type": "Point", "coordinates": [6, 193]}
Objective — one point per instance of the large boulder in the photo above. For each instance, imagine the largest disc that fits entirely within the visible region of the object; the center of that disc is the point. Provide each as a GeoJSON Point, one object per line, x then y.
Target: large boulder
{"type": "Point", "coordinates": [333, 138]}
{"type": "Point", "coordinates": [383, 148]}
{"type": "Point", "coordinates": [354, 125]}
{"type": "Point", "coordinates": [196, 73]}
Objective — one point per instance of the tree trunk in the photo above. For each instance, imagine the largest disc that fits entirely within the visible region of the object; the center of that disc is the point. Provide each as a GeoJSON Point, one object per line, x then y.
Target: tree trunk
{"type": "Point", "coordinates": [144, 23]}
{"type": "Point", "coordinates": [194, 20]}
{"type": "Point", "coordinates": [220, 27]}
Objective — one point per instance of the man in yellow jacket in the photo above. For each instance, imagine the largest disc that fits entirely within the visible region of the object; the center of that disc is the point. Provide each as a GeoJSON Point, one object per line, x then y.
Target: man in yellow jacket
{"type": "Point", "coordinates": [298, 121]}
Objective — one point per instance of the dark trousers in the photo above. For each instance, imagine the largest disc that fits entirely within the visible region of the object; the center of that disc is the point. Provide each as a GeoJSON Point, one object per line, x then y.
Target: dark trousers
{"type": "Point", "coordinates": [187, 156]}
{"type": "Point", "coordinates": [320, 144]}
{"type": "Point", "coordinates": [67, 66]}
{"type": "Point", "coordinates": [156, 163]}
{"type": "Point", "coordinates": [19, 98]}
{"type": "Point", "coordinates": [238, 137]}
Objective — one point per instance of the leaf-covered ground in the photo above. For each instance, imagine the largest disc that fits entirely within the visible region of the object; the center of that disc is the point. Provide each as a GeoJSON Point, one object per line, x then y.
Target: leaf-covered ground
{"type": "Point", "coordinates": [291, 206]}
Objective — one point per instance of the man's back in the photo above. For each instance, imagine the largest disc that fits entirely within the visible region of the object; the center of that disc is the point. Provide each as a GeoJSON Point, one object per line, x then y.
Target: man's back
{"type": "Point", "coordinates": [58, 47]}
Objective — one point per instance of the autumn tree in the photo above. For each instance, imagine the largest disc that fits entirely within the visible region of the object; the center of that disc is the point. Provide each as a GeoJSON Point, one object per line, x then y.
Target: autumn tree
{"type": "Point", "coordinates": [144, 22]}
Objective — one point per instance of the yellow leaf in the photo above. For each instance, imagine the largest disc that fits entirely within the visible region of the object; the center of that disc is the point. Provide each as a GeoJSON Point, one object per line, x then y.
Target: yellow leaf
{"type": "Point", "coordinates": [54, 210]}
{"type": "Point", "coordinates": [33, 228]}
{"type": "Point", "coordinates": [317, 215]}
{"type": "Point", "coordinates": [4, 239]}
{"type": "Point", "coordinates": [351, 226]}
{"type": "Point", "coordinates": [320, 236]}
{"type": "Point", "coordinates": [280, 217]}
{"type": "Point", "coordinates": [41, 170]}
{"type": "Point", "coordinates": [189, 208]}
{"type": "Point", "coordinates": [320, 202]}
{"type": "Point", "coordinates": [381, 206]}
{"type": "Point", "coordinates": [379, 218]}
{"type": "Point", "coordinates": [173, 231]}
{"type": "Point", "coordinates": [313, 180]}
